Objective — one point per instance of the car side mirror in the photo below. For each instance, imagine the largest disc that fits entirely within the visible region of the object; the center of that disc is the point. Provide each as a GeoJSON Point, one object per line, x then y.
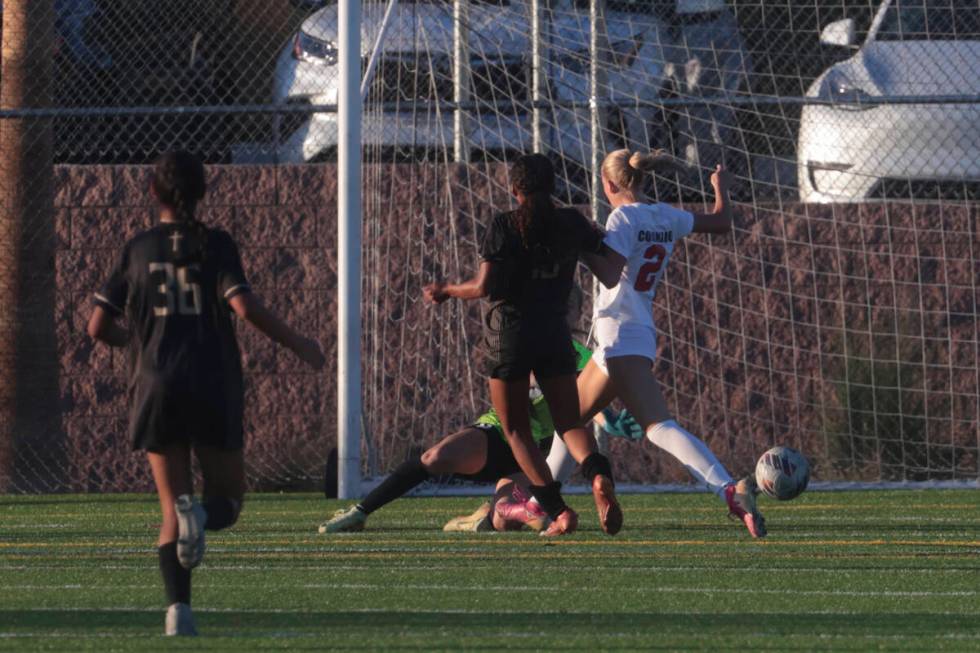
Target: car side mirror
{"type": "Point", "coordinates": [840, 33]}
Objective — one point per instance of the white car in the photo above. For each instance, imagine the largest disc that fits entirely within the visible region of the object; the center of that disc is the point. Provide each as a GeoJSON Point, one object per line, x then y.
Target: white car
{"type": "Point", "coordinates": [406, 111]}
{"type": "Point", "coordinates": [854, 148]}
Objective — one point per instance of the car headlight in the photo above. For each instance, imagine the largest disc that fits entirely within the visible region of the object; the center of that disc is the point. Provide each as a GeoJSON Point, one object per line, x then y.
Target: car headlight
{"type": "Point", "coordinates": [838, 87]}
{"type": "Point", "coordinates": [313, 50]}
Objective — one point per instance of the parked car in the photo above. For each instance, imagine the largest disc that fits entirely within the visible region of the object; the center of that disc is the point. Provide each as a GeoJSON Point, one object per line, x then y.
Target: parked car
{"type": "Point", "coordinates": [857, 148]}
{"type": "Point", "coordinates": [403, 112]}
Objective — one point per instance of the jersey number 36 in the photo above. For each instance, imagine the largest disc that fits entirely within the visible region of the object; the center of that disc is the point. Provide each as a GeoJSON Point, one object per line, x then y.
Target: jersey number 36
{"type": "Point", "coordinates": [647, 275]}
{"type": "Point", "coordinates": [178, 291]}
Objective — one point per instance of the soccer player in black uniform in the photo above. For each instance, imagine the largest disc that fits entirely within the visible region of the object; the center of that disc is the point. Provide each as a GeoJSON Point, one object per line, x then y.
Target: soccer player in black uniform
{"type": "Point", "coordinates": [173, 291]}
{"type": "Point", "coordinates": [529, 258]}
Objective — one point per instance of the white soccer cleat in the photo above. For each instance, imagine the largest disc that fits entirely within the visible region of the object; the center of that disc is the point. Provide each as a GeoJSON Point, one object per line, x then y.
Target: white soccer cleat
{"type": "Point", "coordinates": [344, 521]}
{"type": "Point", "coordinates": [190, 525]}
{"type": "Point", "coordinates": [180, 621]}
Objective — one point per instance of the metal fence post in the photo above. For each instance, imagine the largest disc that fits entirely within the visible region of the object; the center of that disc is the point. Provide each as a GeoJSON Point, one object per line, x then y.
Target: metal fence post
{"type": "Point", "coordinates": [461, 80]}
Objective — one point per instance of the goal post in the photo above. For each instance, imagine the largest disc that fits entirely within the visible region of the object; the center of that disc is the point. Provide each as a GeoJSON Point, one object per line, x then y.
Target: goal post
{"type": "Point", "coordinates": [349, 252]}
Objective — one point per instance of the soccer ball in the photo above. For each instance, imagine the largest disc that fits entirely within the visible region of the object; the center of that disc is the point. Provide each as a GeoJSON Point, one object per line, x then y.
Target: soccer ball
{"type": "Point", "coordinates": [782, 473]}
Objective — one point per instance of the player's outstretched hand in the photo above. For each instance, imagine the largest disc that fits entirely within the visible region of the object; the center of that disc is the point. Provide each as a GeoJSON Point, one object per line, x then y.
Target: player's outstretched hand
{"type": "Point", "coordinates": [721, 179]}
{"type": "Point", "coordinates": [309, 352]}
{"type": "Point", "coordinates": [435, 293]}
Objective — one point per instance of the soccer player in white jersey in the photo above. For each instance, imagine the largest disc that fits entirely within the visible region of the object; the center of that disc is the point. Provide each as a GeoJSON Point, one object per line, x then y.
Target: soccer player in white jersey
{"type": "Point", "coordinates": [642, 236]}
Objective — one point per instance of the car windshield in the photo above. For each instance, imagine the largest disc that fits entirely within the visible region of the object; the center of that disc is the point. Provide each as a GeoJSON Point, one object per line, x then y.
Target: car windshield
{"type": "Point", "coordinates": [931, 20]}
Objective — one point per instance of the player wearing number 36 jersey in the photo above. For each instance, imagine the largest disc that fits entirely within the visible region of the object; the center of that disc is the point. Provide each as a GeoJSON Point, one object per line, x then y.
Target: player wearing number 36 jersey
{"type": "Point", "coordinates": [170, 300]}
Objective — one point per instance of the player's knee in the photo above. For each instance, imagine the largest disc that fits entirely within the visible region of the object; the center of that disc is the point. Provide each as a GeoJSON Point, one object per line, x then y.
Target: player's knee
{"type": "Point", "coordinates": [432, 457]}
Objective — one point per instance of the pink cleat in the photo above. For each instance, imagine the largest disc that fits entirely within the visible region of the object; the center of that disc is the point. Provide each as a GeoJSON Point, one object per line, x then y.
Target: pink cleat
{"type": "Point", "coordinates": [741, 505]}
{"type": "Point", "coordinates": [519, 511]}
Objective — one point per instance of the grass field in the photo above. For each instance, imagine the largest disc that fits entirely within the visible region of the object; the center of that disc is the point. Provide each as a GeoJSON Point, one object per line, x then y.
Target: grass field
{"type": "Point", "coordinates": [842, 571]}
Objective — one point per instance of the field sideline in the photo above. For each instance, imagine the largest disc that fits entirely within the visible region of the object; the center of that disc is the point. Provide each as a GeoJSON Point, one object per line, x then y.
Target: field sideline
{"type": "Point", "coordinates": [855, 571]}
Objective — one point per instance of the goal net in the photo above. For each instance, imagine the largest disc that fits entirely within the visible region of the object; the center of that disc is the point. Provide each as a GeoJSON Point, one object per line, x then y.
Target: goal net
{"type": "Point", "coordinates": [839, 317]}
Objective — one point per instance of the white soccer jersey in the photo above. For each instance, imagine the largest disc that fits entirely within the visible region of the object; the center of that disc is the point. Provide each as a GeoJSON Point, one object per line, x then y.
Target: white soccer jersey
{"type": "Point", "coordinates": [645, 234]}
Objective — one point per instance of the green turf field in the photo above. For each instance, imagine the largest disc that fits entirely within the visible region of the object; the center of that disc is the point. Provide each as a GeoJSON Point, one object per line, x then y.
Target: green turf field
{"type": "Point", "coordinates": [843, 571]}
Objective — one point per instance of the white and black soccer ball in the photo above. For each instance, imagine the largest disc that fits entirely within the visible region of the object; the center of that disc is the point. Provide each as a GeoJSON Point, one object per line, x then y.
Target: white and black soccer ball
{"type": "Point", "coordinates": [782, 473]}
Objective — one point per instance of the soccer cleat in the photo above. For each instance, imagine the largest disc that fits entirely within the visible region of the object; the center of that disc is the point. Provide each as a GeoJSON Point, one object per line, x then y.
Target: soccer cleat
{"type": "Point", "coordinates": [610, 514]}
{"type": "Point", "coordinates": [345, 521]}
{"type": "Point", "coordinates": [563, 524]}
{"type": "Point", "coordinates": [190, 525]}
{"type": "Point", "coordinates": [180, 621]}
{"type": "Point", "coordinates": [741, 505]}
{"type": "Point", "coordinates": [521, 510]}
{"type": "Point", "coordinates": [478, 522]}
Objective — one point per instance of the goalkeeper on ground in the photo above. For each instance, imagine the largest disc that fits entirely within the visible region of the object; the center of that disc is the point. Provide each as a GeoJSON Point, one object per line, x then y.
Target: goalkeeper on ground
{"type": "Point", "coordinates": [477, 453]}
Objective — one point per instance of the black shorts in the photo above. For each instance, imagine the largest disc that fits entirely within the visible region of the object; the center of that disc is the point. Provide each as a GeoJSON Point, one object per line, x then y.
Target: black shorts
{"type": "Point", "coordinates": [161, 416]}
{"type": "Point", "coordinates": [500, 459]}
{"type": "Point", "coordinates": [518, 345]}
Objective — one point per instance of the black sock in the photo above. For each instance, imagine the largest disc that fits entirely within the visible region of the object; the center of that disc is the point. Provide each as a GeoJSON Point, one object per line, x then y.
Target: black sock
{"type": "Point", "coordinates": [409, 474]}
{"type": "Point", "coordinates": [222, 512]}
{"type": "Point", "coordinates": [549, 497]}
{"type": "Point", "coordinates": [176, 579]}
{"type": "Point", "coordinates": [596, 465]}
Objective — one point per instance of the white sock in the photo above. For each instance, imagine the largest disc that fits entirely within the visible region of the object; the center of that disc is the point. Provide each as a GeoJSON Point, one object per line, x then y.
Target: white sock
{"type": "Point", "coordinates": [560, 461]}
{"type": "Point", "coordinates": [692, 453]}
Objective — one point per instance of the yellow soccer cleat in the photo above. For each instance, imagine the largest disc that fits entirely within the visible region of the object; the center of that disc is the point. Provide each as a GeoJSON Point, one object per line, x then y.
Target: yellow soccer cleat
{"type": "Point", "coordinates": [344, 521]}
{"type": "Point", "coordinates": [478, 522]}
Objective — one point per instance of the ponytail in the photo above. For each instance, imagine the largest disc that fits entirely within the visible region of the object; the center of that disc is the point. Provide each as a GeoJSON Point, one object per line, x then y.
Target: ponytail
{"type": "Point", "coordinates": [627, 170]}
{"type": "Point", "coordinates": [533, 176]}
{"type": "Point", "coordinates": [534, 218]}
{"type": "Point", "coordinates": [179, 184]}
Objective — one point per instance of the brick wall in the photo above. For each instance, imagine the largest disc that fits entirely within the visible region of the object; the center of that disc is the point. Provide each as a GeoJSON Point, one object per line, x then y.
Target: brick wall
{"type": "Point", "coordinates": [755, 329]}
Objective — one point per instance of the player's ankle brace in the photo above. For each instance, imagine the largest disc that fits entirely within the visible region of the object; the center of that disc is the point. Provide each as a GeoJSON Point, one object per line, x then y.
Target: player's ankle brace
{"type": "Point", "coordinates": [176, 579]}
{"type": "Point", "coordinates": [549, 497]}
{"type": "Point", "coordinates": [407, 475]}
{"type": "Point", "coordinates": [596, 465]}
{"type": "Point", "coordinates": [222, 512]}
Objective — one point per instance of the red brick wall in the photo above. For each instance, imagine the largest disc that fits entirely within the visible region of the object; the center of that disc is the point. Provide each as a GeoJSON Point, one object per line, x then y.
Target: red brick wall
{"type": "Point", "coordinates": [753, 356]}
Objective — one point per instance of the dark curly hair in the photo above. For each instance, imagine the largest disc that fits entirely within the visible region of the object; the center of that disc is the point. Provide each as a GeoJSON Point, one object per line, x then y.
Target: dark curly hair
{"type": "Point", "coordinates": [533, 176]}
{"type": "Point", "coordinates": [179, 183]}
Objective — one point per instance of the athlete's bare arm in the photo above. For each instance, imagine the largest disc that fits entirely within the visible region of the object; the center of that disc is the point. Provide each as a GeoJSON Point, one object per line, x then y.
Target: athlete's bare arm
{"type": "Point", "coordinates": [475, 288]}
{"type": "Point", "coordinates": [102, 326]}
{"type": "Point", "coordinates": [251, 309]}
{"type": "Point", "coordinates": [607, 265]}
{"type": "Point", "coordinates": [719, 221]}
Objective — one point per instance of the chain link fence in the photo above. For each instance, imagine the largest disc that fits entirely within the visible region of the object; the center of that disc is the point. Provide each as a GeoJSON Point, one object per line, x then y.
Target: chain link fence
{"type": "Point", "coordinates": [839, 317]}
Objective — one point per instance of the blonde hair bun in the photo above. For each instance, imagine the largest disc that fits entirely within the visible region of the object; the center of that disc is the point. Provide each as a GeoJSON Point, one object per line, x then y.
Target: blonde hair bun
{"type": "Point", "coordinates": [626, 169]}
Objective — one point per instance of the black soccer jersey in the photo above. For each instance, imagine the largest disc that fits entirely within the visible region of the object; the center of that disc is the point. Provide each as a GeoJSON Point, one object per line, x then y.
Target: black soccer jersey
{"type": "Point", "coordinates": [539, 279]}
{"type": "Point", "coordinates": [185, 367]}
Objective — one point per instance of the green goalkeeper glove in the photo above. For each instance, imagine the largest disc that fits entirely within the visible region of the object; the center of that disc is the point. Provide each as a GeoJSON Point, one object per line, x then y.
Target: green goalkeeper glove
{"type": "Point", "coordinates": [621, 424]}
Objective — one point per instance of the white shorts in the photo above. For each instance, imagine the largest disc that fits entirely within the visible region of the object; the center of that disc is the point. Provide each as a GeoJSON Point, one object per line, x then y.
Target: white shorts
{"type": "Point", "coordinates": [614, 338]}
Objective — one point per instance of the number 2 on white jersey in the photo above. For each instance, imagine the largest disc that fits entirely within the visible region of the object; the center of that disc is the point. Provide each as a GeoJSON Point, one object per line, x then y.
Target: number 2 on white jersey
{"type": "Point", "coordinates": [647, 274]}
{"type": "Point", "coordinates": [188, 293]}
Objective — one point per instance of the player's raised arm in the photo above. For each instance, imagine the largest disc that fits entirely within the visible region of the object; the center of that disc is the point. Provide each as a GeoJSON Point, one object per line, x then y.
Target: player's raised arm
{"type": "Point", "coordinates": [719, 221]}
{"type": "Point", "coordinates": [251, 309]}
